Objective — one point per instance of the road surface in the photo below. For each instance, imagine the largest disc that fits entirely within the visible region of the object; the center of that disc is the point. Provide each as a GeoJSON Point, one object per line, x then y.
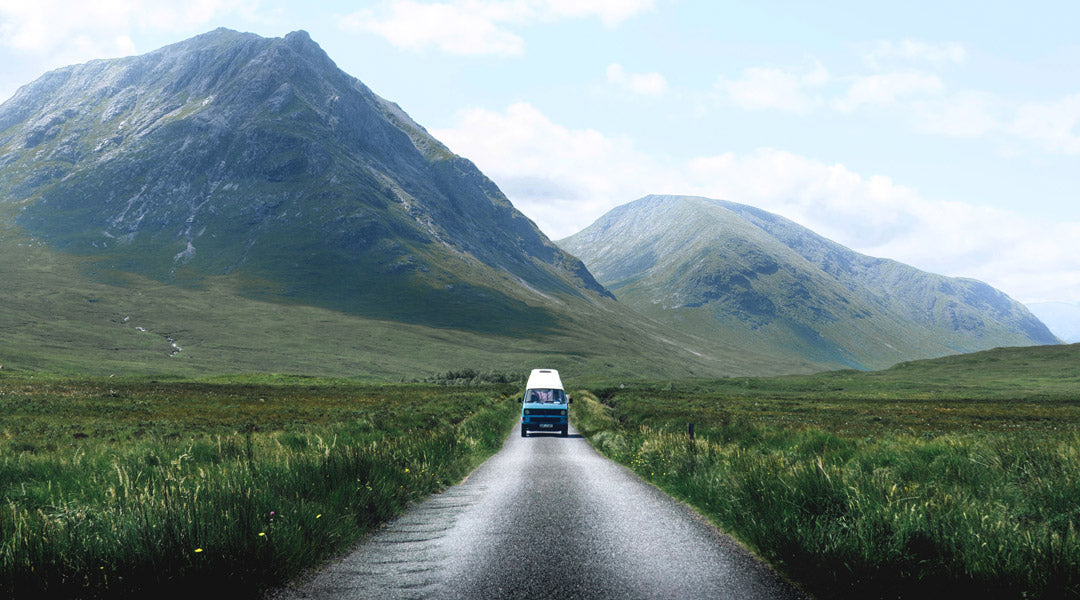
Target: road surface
{"type": "Point", "coordinates": [547, 517]}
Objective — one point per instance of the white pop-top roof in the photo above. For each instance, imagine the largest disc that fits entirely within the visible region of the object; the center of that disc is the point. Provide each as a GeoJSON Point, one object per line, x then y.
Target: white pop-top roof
{"type": "Point", "coordinates": [541, 379]}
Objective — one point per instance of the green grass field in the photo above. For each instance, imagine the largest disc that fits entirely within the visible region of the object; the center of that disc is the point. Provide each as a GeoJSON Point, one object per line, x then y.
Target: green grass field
{"type": "Point", "coordinates": [935, 478]}
{"type": "Point", "coordinates": [929, 480]}
{"type": "Point", "coordinates": [128, 488]}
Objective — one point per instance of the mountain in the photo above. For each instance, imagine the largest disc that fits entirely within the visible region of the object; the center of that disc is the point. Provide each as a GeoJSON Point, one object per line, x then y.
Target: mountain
{"type": "Point", "coordinates": [730, 271]}
{"type": "Point", "coordinates": [233, 154]}
{"type": "Point", "coordinates": [238, 203]}
{"type": "Point", "coordinates": [1063, 318]}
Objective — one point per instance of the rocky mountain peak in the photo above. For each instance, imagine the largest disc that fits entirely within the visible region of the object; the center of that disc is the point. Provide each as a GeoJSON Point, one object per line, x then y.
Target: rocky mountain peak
{"type": "Point", "coordinates": [230, 154]}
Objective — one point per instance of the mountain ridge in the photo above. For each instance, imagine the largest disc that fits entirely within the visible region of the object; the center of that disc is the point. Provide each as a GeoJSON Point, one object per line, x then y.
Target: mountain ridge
{"type": "Point", "coordinates": [737, 271]}
{"type": "Point", "coordinates": [232, 153]}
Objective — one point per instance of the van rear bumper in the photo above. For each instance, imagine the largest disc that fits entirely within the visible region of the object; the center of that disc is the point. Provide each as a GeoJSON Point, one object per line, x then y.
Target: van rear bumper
{"type": "Point", "coordinates": [543, 426]}
{"type": "Point", "coordinates": [549, 424]}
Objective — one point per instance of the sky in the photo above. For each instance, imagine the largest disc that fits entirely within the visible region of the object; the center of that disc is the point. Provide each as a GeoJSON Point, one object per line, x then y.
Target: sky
{"type": "Point", "coordinates": [945, 135]}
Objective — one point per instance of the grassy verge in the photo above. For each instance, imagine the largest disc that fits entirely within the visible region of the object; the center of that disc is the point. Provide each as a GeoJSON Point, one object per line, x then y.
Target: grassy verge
{"type": "Point", "coordinates": [858, 493]}
{"type": "Point", "coordinates": [134, 488]}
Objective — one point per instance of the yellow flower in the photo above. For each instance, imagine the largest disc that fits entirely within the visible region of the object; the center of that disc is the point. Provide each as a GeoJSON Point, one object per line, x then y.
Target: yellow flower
{"type": "Point", "coordinates": [406, 469]}
{"type": "Point", "coordinates": [318, 516]}
{"type": "Point", "coordinates": [198, 550]}
{"type": "Point", "coordinates": [262, 534]}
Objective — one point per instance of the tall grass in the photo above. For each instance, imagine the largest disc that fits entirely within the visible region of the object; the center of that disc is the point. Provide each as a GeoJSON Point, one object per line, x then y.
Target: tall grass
{"type": "Point", "coordinates": [177, 511]}
{"type": "Point", "coordinates": [892, 515]}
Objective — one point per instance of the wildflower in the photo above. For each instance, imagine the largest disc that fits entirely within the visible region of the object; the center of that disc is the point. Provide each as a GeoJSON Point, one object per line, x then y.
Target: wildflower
{"type": "Point", "coordinates": [198, 550]}
{"type": "Point", "coordinates": [406, 469]}
{"type": "Point", "coordinates": [262, 534]}
{"type": "Point", "coordinates": [318, 516]}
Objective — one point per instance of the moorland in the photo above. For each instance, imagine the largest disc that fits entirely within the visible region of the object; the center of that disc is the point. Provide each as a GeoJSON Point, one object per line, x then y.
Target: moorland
{"type": "Point", "coordinates": [931, 478]}
{"type": "Point", "coordinates": [125, 487]}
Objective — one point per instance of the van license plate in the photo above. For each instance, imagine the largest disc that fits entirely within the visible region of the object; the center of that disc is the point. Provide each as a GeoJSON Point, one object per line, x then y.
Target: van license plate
{"type": "Point", "coordinates": [546, 426]}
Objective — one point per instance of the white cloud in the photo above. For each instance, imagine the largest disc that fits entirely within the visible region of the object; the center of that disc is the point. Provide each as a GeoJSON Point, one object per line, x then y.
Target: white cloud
{"type": "Point", "coordinates": [610, 12]}
{"type": "Point", "coordinates": [468, 28]}
{"type": "Point", "coordinates": [478, 27]}
{"type": "Point", "coordinates": [916, 51]}
{"type": "Point", "coordinates": [565, 178]}
{"type": "Point", "coordinates": [562, 178]}
{"type": "Point", "coordinates": [923, 98]}
{"type": "Point", "coordinates": [959, 114]}
{"type": "Point", "coordinates": [1053, 125]}
{"type": "Point", "coordinates": [887, 89]}
{"type": "Point", "coordinates": [760, 88]}
{"type": "Point", "coordinates": [647, 84]}
{"type": "Point", "coordinates": [55, 33]}
{"type": "Point", "coordinates": [932, 108]}
{"type": "Point", "coordinates": [172, 15]}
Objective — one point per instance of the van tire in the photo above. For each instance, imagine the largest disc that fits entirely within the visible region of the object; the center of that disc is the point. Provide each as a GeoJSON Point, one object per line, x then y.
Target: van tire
{"type": "Point", "coordinates": [565, 431]}
{"type": "Point", "coordinates": [524, 432]}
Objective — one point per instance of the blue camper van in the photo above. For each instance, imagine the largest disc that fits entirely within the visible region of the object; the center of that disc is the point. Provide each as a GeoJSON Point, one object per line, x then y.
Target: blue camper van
{"type": "Point", "coordinates": [545, 405]}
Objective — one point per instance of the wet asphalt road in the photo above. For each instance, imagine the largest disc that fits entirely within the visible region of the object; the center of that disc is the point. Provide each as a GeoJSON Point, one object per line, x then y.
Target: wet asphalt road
{"type": "Point", "coordinates": [547, 517]}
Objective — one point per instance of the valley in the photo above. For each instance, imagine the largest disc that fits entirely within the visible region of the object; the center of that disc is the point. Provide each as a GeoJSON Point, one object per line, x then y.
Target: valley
{"type": "Point", "coordinates": [250, 311]}
{"type": "Point", "coordinates": [265, 211]}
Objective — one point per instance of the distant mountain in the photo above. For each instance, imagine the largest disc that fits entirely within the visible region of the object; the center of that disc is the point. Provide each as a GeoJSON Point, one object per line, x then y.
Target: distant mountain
{"type": "Point", "coordinates": [233, 202]}
{"type": "Point", "coordinates": [1062, 318]}
{"type": "Point", "coordinates": [729, 271]}
{"type": "Point", "coordinates": [233, 154]}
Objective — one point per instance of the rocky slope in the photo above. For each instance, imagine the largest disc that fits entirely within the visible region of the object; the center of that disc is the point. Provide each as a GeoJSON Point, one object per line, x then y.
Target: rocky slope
{"type": "Point", "coordinates": [234, 155]}
{"type": "Point", "coordinates": [735, 272]}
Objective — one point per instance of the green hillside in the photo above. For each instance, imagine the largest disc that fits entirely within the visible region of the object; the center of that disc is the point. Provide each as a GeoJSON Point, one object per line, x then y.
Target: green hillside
{"type": "Point", "coordinates": [64, 315]}
{"type": "Point", "coordinates": [734, 272]}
